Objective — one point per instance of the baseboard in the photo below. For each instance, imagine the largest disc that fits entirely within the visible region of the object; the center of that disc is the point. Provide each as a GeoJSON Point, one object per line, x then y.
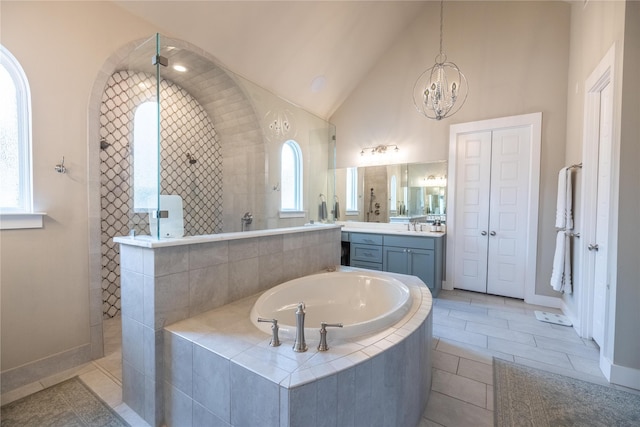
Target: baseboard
{"type": "Point", "coordinates": [620, 375]}
{"type": "Point", "coordinates": [544, 301]}
{"type": "Point", "coordinates": [35, 371]}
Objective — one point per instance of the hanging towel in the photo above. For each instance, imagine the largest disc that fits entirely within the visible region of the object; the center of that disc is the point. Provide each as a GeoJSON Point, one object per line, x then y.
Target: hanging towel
{"type": "Point", "coordinates": [564, 208]}
{"type": "Point", "coordinates": [561, 272]}
{"type": "Point", "coordinates": [322, 211]}
{"type": "Point", "coordinates": [336, 210]}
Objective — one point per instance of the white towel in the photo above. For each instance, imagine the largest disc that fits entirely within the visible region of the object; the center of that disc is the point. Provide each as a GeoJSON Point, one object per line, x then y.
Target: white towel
{"type": "Point", "coordinates": [561, 272]}
{"type": "Point", "coordinates": [564, 208]}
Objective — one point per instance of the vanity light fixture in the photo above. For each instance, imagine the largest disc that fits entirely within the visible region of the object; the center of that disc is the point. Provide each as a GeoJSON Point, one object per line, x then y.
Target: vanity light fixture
{"type": "Point", "coordinates": [433, 181]}
{"type": "Point", "coordinates": [441, 90]}
{"type": "Point", "coordinates": [379, 149]}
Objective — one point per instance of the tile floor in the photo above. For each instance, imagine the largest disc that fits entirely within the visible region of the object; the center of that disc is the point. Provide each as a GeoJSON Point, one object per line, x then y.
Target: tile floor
{"type": "Point", "coordinates": [469, 329]}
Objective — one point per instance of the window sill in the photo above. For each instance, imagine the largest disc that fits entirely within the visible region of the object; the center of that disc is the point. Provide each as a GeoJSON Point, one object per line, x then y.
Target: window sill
{"type": "Point", "coordinates": [21, 220]}
{"type": "Point", "coordinates": [352, 213]}
{"type": "Point", "coordinates": [293, 214]}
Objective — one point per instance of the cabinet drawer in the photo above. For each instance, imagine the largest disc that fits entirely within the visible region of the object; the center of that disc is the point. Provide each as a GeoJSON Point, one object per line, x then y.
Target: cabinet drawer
{"type": "Point", "coordinates": [410, 242]}
{"type": "Point", "coordinates": [369, 265]}
{"type": "Point", "coordinates": [369, 253]}
{"type": "Point", "coordinates": [367, 239]}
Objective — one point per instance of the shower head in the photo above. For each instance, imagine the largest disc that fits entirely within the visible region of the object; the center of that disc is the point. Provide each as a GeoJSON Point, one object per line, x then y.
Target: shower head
{"type": "Point", "coordinates": [192, 161]}
{"type": "Point", "coordinates": [104, 144]}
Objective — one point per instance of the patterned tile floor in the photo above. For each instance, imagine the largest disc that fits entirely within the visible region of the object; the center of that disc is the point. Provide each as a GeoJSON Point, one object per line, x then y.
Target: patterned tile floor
{"type": "Point", "coordinates": [468, 328]}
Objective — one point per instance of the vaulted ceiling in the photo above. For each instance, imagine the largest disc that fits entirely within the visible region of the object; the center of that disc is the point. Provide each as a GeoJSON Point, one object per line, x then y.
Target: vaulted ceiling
{"type": "Point", "coordinates": [312, 53]}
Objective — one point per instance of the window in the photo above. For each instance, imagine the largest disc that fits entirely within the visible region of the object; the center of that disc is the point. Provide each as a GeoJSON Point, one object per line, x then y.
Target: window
{"type": "Point", "coordinates": [352, 190]}
{"type": "Point", "coordinates": [394, 194]}
{"type": "Point", "coordinates": [291, 177]}
{"type": "Point", "coordinates": [15, 137]}
{"type": "Point", "coordinates": [145, 157]}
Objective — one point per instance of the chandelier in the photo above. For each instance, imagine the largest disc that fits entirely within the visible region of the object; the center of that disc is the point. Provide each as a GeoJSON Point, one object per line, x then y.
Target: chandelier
{"type": "Point", "coordinates": [441, 90]}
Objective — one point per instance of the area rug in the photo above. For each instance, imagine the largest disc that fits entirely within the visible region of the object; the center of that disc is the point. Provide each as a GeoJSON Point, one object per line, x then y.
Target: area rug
{"type": "Point", "coordinates": [67, 404]}
{"type": "Point", "coordinates": [526, 396]}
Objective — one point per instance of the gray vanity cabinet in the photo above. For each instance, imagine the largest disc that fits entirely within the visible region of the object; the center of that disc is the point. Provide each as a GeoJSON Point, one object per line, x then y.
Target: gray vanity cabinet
{"type": "Point", "coordinates": [420, 256]}
{"type": "Point", "coordinates": [366, 251]}
{"type": "Point", "coordinates": [417, 256]}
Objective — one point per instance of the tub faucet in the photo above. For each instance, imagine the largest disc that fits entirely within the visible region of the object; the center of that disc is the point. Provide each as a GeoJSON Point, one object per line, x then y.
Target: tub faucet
{"type": "Point", "coordinates": [323, 334]}
{"type": "Point", "coordinates": [300, 346]}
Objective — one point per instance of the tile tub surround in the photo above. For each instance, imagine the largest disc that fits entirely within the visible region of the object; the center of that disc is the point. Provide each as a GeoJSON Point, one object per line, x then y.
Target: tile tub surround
{"type": "Point", "coordinates": [169, 280]}
{"type": "Point", "coordinates": [220, 370]}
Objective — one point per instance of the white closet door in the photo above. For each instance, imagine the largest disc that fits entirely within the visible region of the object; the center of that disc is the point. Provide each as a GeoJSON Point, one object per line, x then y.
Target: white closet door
{"type": "Point", "coordinates": [473, 175]}
{"type": "Point", "coordinates": [508, 211]}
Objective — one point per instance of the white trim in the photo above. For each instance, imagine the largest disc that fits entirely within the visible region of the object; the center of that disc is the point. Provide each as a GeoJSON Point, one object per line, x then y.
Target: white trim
{"type": "Point", "coordinates": [292, 214]}
{"type": "Point", "coordinates": [534, 120]}
{"type": "Point", "coordinates": [17, 221]}
{"type": "Point", "coordinates": [352, 213]}
{"type": "Point", "coordinates": [602, 76]}
{"type": "Point", "coordinates": [543, 300]}
{"type": "Point", "coordinates": [620, 375]}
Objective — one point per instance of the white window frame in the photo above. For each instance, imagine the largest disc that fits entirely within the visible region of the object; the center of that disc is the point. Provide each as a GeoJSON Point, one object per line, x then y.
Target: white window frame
{"type": "Point", "coordinates": [21, 216]}
{"type": "Point", "coordinates": [296, 210]}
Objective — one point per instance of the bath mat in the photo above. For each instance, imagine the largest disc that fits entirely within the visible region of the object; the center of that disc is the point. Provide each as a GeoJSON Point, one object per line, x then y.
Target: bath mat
{"type": "Point", "coordinates": [557, 319]}
{"type": "Point", "coordinates": [67, 404]}
{"type": "Point", "coordinates": [526, 396]}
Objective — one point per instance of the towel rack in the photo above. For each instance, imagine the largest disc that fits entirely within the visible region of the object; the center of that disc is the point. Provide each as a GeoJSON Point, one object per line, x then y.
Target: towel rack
{"type": "Point", "coordinates": [572, 234]}
{"type": "Point", "coordinates": [577, 165]}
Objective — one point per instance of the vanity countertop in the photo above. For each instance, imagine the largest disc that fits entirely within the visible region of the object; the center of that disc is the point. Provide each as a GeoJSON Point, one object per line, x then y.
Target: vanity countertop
{"type": "Point", "coordinates": [389, 229]}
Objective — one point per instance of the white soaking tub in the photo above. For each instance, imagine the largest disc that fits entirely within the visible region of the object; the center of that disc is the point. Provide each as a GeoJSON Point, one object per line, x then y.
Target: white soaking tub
{"type": "Point", "coordinates": [364, 302]}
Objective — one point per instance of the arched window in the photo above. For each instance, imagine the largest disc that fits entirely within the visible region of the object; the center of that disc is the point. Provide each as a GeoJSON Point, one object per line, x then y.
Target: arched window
{"type": "Point", "coordinates": [15, 137]}
{"type": "Point", "coordinates": [291, 177]}
{"type": "Point", "coordinates": [145, 157]}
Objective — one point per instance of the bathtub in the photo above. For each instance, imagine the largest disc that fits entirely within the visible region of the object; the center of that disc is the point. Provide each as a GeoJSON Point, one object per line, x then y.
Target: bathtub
{"type": "Point", "coordinates": [365, 303]}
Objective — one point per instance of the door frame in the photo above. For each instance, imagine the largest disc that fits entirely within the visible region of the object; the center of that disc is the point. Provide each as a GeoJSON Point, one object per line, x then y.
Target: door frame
{"type": "Point", "coordinates": [534, 122]}
{"type": "Point", "coordinates": [601, 76]}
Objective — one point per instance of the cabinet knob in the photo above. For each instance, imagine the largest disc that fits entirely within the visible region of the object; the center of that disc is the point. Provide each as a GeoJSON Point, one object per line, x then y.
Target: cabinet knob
{"type": "Point", "coordinates": [484, 233]}
{"type": "Point", "coordinates": [493, 233]}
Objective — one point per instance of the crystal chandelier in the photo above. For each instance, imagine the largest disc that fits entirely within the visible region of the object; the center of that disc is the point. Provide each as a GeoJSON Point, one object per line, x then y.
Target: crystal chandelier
{"type": "Point", "coordinates": [441, 90]}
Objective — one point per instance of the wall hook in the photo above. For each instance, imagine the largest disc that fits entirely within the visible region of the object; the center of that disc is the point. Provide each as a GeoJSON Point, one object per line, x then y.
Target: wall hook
{"type": "Point", "coordinates": [60, 168]}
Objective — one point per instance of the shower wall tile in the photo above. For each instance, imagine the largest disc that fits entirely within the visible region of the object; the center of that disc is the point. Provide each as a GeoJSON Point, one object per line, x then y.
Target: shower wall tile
{"type": "Point", "coordinates": [271, 244]}
{"type": "Point", "coordinates": [243, 249]}
{"type": "Point", "coordinates": [171, 294]}
{"type": "Point", "coordinates": [270, 269]}
{"type": "Point", "coordinates": [132, 343]}
{"type": "Point", "coordinates": [212, 382]}
{"type": "Point", "coordinates": [174, 259]}
{"type": "Point", "coordinates": [203, 417]}
{"type": "Point", "coordinates": [208, 288]}
{"type": "Point", "coordinates": [346, 398]}
{"type": "Point", "coordinates": [305, 400]}
{"type": "Point", "coordinates": [132, 292]}
{"type": "Point", "coordinates": [133, 387]}
{"type": "Point", "coordinates": [178, 362]}
{"type": "Point", "coordinates": [178, 407]}
{"type": "Point", "coordinates": [254, 399]}
{"type": "Point", "coordinates": [243, 278]}
{"type": "Point", "coordinates": [208, 254]}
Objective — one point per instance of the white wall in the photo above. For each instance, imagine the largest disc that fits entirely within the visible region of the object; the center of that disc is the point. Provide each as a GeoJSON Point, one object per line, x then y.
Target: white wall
{"type": "Point", "coordinates": [44, 277]}
{"type": "Point", "coordinates": [515, 57]}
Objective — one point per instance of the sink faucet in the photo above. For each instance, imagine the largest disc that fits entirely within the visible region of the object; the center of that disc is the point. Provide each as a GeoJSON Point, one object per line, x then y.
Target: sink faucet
{"type": "Point", "coordinates": [275, 341]}
{"type": "Point", "coordinates": [299, 344]}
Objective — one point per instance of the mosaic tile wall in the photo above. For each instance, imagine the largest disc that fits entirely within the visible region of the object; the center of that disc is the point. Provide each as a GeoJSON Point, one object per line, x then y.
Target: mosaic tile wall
{"type": "Point", "coordinates": [191, 167]}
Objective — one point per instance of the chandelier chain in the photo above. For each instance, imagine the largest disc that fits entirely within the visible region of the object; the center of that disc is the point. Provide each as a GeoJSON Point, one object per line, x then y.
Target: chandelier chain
{"type": "Point", "coordinates": [441, 23]}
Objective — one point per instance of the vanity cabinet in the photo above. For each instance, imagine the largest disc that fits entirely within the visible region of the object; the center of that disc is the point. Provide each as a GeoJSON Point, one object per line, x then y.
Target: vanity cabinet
{"type": "Point", "coordinates": [417, 256]}
{"type": "Point", "coordinates": [420, 256]}
{"type": "Point", "coordinates": [366, 251]}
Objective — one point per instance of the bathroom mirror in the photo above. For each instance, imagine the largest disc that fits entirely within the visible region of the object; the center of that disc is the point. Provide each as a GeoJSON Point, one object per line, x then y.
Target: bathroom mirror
{"type": "Point", "coordinates": [394, 193]}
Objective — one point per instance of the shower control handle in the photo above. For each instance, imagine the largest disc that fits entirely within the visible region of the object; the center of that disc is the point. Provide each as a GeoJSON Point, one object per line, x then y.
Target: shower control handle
{"type": "Point", "coordinates": [275, 341]}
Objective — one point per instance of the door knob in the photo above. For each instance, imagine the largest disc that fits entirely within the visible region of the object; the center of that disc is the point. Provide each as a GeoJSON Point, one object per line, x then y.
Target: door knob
{"type": "Point", "coordinates": [493, 233]}
{"type": "Point", "coordinates": [593, 247]}
{"type": "Point", "coordinates": [484, 233]}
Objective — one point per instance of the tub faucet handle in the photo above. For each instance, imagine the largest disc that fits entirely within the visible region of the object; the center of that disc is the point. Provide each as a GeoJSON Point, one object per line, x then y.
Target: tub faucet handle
{"type": "Point", "coordinates": [323, 334]}
{"type": "Point", "coordinates": [275, 341]}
